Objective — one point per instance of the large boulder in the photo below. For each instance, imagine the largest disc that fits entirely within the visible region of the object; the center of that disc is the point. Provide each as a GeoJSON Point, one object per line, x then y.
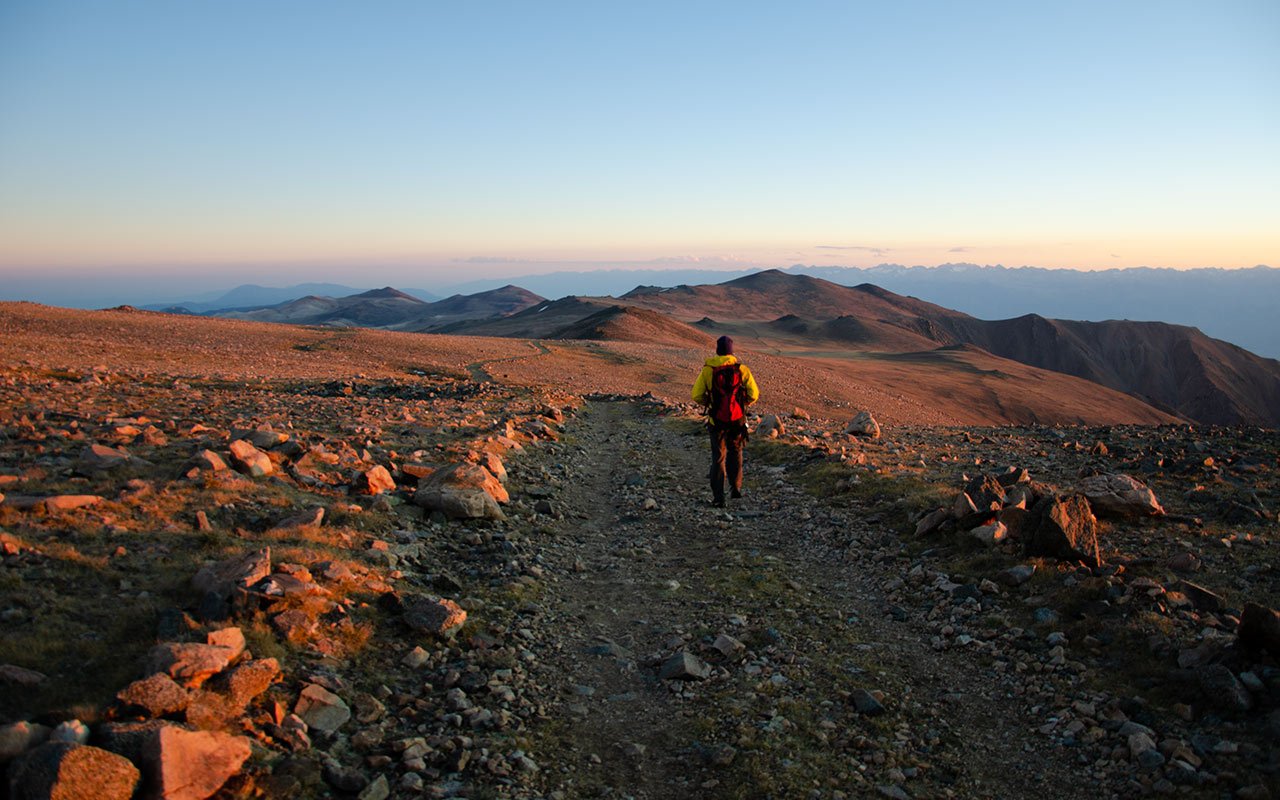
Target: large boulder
{"type": "Point", "coordinates": [98, 457]}
{"type": "Point", "coordinates": [1121, 496]}
{"type": "Point", "coordinates": [770, 427]}
{"type": "Point", "coordinates": [207, 460]}
{"type": "Point", "coordinates": [1223, 689]}
{"type": "Point", "coordinates": [985, 490]}
{"type": "Point", "coordinates": [156, 695]}
{"type": "Point", "coordinates": [192, 765]}
{"type": "Point", "coordinates": [190, 664]}
{"type": "Point", "coordinates": [241, 684]}
{"type": "Point", "coordinates": [72, 771]}
{"type": "Point", "coordinates": [250, 460]}
{"type": "Point", "coordinates": [863, 425]}
{"type": "Point", "coordinates": [466, 475]}
{"type": "Point", "coordinates": [930, 522]}
{"type": "Point", "coordinates": [458, 503]}
{"type": "Point", "coordinates": [1260, 628]}
{"type": "Point", "coordinates": [20, 676]}
{"type": "Point", "coordinates": [374, 480]}
{"type": "Point", "coordinates": [127, 738]}
{"type": "Point", "coordinates": [462, 491]}
{"type": "Point", "coordinates": [1063, 528]}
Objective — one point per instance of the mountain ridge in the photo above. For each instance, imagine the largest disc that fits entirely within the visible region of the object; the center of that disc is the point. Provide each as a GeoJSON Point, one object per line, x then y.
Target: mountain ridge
{"type": "Point", "coordinates": [1169, 366]}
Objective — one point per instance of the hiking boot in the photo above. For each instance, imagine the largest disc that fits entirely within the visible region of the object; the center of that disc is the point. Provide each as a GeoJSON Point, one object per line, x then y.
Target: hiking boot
{"type": "Point", "coordinates": [718, 502]}
{"type": "Point", "coordinates": [736, 494]}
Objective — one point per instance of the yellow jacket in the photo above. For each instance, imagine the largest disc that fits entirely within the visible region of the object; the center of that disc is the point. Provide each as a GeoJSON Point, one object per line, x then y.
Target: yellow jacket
{"type": "Point", "coordinates": [702, 386]}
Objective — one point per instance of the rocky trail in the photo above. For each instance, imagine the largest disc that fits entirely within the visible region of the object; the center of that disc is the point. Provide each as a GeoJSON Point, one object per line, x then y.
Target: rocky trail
{"type": "Point", "coordinates": [787, 674]}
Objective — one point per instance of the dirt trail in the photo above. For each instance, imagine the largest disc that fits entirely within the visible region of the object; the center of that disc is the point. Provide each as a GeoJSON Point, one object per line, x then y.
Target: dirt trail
{"type": "Point", "coordinates": [647, 569]}
{"type": "Point", "coordinates": [479, 370]}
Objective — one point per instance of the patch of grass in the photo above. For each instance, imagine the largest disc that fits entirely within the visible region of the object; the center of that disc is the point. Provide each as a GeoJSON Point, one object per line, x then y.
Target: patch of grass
{"type": "Point", "coordinates": [772, 452]}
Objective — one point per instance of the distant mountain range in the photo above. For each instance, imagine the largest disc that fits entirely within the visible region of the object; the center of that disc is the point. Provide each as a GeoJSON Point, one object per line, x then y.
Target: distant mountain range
{"type": "Point", "coordinates": [249, 297]}
{"type": "Point", "coordinates": [1175, 368]}
{"type": "Point", "coordinates": [1232, 305]}
{"type": "Point", "coordinates": [390, 309]}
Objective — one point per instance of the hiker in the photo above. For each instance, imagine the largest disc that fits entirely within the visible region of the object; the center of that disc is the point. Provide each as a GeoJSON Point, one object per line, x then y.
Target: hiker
{"type": "Point", "coordinates": [726, 388]}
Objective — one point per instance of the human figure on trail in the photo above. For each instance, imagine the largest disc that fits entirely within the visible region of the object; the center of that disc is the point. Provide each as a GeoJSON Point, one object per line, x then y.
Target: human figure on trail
{"type": "Point", "coordinates": [726, 388]}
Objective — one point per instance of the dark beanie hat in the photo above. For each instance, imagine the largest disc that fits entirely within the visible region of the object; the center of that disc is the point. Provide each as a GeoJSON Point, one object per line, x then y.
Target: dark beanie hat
{"type": "Point", "coordinates": [724, 346]}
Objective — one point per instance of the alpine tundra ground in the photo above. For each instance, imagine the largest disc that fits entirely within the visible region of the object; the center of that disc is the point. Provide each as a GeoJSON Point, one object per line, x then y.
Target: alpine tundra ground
{"type": "Point", "coordinates": [621, 637]}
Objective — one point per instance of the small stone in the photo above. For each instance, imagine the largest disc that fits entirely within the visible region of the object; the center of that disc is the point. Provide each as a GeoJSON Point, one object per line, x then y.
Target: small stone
{"type": "Point", "coordinates": [241, 572]}
{"type": "Point", "coordinates": [368, 708]}
{"type": "Point", "coordinates": [18, 737]}
{"type": "Point", "coordinates": [728, 646]}
{"type": "Point", "coordinates": [415, 658]}
{"type": "Point", "coordinates": [437, 616]}
{"type": "Point", "coordinates": [321, 709]}
{"type": "Point", "coordinates": [866, 703]}
{"type": "Point", "coordinates": [310, 518]}
{"type": "Point", "coordinates": [20, 676]}
{"type": "Point", "coordinates": [685, 666]}
{"type": "Point", "coordinates": [378, 789]}
{"type": "Point", "coordinates": [207, 460]}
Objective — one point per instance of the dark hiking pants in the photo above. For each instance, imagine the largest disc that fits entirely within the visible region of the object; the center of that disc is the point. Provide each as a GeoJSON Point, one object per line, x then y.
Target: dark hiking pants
{"type": "Point", "coordinates": [727, 441]}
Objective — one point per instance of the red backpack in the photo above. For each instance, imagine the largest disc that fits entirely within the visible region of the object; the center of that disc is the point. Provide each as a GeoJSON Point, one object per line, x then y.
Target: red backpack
{"type": "Point", "coordinates": [726, 393]}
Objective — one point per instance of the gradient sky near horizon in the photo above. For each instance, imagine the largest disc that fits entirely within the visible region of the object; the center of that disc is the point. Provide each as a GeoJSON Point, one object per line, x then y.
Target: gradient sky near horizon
{"type": "Point", "coordinates": [417, 141]}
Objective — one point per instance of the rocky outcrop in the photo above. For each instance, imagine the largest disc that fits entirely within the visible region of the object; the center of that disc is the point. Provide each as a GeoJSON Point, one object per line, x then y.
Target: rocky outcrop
{"type": "Point", "coordinates": [1063, 528]}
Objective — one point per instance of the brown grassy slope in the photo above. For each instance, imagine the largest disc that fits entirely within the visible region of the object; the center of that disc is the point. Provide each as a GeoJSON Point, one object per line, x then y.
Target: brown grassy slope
{"type": "Point", "coordinates": [1205, 379]}
{"type": "Point", "coordinates": [499, 302]}
{"type": "Point", "coordinates": [959, 387]}
{"type": "Point", "coordinates": [540, 321]}
{"type": "Point", "coordinates": [370, 309]}
{"type": "Point", "coordinates": [767, 295]}
{"type": "Point", "coordinates": [630, 324]}
{"type": "Point", "coordinates": [1172, 366]}
{"type": "Point", "coordinates": [183, 345]}
{"type": "Point", "coordinates": [950, 387]}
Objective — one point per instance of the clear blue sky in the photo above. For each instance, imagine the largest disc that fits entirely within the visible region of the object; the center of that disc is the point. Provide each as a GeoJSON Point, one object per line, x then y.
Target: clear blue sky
{"type": "Point", "coordinates": [436, 142]}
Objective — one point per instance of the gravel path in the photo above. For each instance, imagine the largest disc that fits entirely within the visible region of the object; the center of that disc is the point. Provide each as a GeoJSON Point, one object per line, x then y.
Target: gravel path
{"type": "Point", "coordinates": [647, 570]}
